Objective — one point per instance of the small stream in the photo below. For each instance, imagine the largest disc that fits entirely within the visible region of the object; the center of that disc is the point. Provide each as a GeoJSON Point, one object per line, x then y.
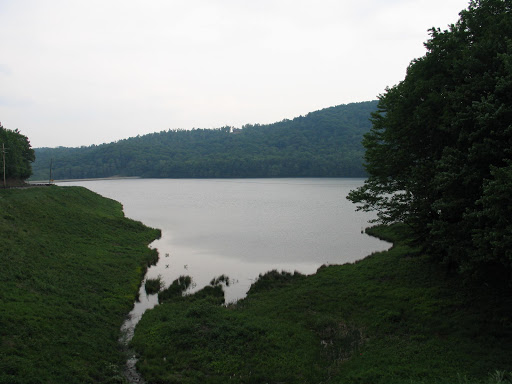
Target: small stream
{"type": "Point", "coordinates": [143, 303]}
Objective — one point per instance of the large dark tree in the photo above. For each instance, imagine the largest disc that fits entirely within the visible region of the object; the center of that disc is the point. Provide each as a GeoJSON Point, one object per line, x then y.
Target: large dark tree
{"type": "Point", "coordinates": [439, 151]}
{"type": "Point", "coordinates": [18, 155]}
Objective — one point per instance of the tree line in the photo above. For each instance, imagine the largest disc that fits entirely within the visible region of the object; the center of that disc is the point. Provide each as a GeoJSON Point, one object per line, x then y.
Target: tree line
{"type": "Point", "coordinates": [439, 153]}
{"type": "Point", "coordinates": [16, 157]}
{"type": "Point", "coordinates": [325, 143]}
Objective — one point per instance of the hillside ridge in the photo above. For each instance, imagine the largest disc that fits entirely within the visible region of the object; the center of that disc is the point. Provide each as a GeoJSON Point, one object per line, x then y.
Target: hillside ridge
{"type": "Point", "coordinates": [324, 143]}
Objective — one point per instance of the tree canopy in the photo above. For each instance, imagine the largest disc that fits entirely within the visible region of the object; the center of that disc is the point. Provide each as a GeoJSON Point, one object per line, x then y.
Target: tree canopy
{"type": "Point", "coordinates": [18, 154]}
{"type": "Point", "coordinates": [323, 143]}
{"type": "Point", "coordinates": [439, 154]}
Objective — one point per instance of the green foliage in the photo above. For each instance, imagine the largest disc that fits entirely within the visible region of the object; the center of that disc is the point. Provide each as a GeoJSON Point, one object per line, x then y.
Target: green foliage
{"type": "Point", "coordinates": [439, 151]}
{"type": "Point", "coordinates": [200, 341]}
{"type": "Point", "coordinates": [222, 279]}
{"type": "Point", "coordinates": [324, 143]}
{"type": "Point", "coordinates": [214, 294]}
{"type": "Point", "coordinates": [176, 289]}
{"type": "Point", "coordinates": [500, 377]}
{"type": "Point", "coordinates": [70, 268]}
{"type": "Point", "coordinates": [493, 235]}
{"type": "Point", "coordinates": [18, 155]}
{"type": "Point", "coordinates": [393, 317]}
{"type": "Point", "coordinates": [273, 279]}
{"type": "Point", "coordinates": [153, 286]}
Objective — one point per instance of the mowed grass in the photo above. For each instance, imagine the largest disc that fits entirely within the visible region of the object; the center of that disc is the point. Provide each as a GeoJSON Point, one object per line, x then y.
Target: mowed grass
{"type": "Point", "coordinates": [70, 268]}
{"type": "Point", "coordinates": [394, 317]}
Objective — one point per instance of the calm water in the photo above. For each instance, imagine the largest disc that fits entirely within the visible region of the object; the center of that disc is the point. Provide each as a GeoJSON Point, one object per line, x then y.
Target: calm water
{"type": "Point", "coordinates": [242, 227]}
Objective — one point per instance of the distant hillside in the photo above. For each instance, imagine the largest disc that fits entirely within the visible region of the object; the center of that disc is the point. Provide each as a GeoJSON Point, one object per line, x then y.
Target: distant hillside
{"type": "Point", "coordinates": [325, 143]}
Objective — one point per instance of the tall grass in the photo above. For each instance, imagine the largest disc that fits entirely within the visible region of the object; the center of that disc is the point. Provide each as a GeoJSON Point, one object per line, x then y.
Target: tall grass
{"type": "Point", "coordinates": [70, 268]}
{"type": "Point", "coordinates": [153, 286]}
{"type": "Point", "coordinates": [393, 317]}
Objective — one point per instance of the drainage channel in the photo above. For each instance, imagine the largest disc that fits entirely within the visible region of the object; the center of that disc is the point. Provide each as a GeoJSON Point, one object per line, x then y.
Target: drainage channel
{"type": "Point", "coordinates": [143, 303]}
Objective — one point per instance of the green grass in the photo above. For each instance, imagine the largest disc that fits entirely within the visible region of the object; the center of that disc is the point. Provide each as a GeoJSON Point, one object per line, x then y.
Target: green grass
{"type": "Point", "coordinates": [70, 268]}
{"type": "Point", "coordinates": [393, 317]}
{"type": "Point", "coordinates": [153, 286]}
{"type": "Point", "coordinates": [71, 265]}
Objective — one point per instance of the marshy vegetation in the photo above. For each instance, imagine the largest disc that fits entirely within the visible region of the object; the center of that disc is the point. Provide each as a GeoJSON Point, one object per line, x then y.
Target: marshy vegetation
{"type": "Point", "coordinates": [153, 286]}
{"type": "Point", "coordinates": [394, 317]}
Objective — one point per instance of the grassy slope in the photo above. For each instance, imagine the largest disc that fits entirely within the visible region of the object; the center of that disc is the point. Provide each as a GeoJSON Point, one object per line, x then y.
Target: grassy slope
{"type": "Point", "coordinates": [391, 318]}
{"type": "Point", "coordinates": [70, 265]}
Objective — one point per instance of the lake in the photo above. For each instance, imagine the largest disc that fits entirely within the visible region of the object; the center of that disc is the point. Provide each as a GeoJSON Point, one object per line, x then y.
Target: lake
{"type": "Point", "coordinates": [242, 227]}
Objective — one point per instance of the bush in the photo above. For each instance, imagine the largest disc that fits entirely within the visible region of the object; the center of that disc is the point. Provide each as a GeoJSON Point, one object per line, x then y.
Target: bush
{"type": "Point", "coordinates": [153, 286]}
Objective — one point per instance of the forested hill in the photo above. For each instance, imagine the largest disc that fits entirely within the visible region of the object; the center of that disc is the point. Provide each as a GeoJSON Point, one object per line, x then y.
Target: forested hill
{"type": "Point", "coordinates": [325, 143]}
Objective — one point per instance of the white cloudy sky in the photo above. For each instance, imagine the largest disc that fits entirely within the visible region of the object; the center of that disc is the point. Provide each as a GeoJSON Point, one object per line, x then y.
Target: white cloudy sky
{"type": "Point", "coordinates": [81, 72]}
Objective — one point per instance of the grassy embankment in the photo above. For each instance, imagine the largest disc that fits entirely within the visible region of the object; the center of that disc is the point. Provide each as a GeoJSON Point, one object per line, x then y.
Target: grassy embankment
{"type": "Point", "coordinates": [393, 317]}
{"type": "Point", "coordinates": [70, 267]}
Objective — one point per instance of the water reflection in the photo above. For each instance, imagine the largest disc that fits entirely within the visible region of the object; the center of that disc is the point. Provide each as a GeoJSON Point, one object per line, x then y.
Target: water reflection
{"type": "Point", "coordinates": [242, 227]}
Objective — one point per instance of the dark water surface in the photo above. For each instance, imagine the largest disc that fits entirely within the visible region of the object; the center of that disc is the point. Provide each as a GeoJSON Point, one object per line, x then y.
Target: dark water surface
{"type": "Point", "coordinates": [242, 227]}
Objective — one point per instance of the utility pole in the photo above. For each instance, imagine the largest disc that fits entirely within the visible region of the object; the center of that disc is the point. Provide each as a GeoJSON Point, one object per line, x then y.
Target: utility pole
{"type": "Point", "coordinates": [51, 163]}
{"type": "Point", "coordinates": [3, 155]}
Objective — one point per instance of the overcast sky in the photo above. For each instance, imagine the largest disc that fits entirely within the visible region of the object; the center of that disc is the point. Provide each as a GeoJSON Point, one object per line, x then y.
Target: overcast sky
{"type": "Point", "coordinates": [82, 72]}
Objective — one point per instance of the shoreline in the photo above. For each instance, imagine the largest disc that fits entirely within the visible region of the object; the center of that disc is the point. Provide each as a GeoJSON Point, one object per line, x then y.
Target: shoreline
{"type": "Point", "coordinates": [86, 179]}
